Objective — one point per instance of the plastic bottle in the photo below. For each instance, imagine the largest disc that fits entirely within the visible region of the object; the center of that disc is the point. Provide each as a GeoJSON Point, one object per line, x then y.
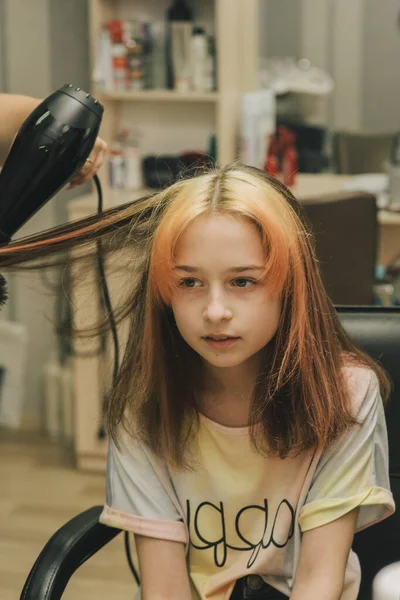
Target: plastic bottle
{"type": "Point", "coordinates": [148, 49]}
{"type": "Point", "coordinates": [135, 56]}
{"type": "Point", "coordinates": [132, 158]}
{"type": "Point", "coordinates": [158, 65]}
{"type": "Point", "coordinates": [103, 68]}
{"type": "Point", "coordinates": [212, 150]}
{"type": "Point", "coordinates": [116, 166]}
{"type": "Point", "coordinates": [199, 60]}
{"type": "Point", "coordinates": [180, 18]}
{"type": "Point", "coordinates": [119, 59]}
{"type": "Point", "coordinates": [211, 65]}
{"type": "Point", "coordinates": [119, 67]}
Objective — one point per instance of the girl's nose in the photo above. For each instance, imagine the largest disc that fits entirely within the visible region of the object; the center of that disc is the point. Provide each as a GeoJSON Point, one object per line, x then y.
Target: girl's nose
{"type": "Point", "coordinates": [217, 310]}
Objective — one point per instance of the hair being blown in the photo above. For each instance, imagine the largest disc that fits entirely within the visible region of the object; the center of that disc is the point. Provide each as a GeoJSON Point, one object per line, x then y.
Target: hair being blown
{"type": "Point", "coordinates": [301, 397]}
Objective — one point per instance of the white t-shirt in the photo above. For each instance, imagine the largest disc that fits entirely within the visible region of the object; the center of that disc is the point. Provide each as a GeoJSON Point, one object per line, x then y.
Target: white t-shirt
{"type": "Point", "coordinates": [240, 513]}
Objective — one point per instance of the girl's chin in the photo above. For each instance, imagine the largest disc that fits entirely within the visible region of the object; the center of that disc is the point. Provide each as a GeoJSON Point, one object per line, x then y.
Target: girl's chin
{"type": "Point", "coordinates": [231, 359]}
{"type": "Point", "coordinates": [224, 361]}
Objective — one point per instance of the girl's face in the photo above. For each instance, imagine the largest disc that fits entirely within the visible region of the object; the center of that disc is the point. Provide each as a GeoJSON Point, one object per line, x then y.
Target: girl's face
{"type": "Point", "coordinates": [221, 307]}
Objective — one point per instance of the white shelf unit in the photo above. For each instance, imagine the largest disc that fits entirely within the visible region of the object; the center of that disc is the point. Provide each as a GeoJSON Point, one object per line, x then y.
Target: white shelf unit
{"type": "Point", "coordinates": [170, 122]}
{"type": "Point", "coordinates": [159, 96]}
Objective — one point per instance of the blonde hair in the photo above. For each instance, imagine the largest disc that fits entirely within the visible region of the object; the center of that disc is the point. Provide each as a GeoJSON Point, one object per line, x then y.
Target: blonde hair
{"type": "Point", "coordinates": [301, 398]}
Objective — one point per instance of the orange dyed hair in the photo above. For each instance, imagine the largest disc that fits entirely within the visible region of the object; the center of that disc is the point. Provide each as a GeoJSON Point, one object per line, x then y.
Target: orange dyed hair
{"type": "Point", "coordinates": [301, 398]}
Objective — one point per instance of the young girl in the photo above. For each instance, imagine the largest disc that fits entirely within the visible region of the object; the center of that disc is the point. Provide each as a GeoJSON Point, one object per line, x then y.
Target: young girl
{"type": "Point", "coordinates": [247, 432]}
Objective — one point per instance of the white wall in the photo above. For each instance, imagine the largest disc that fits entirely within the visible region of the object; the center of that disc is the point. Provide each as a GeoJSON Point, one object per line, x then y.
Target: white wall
{"type": "Point", "coordinates": [381, 52]}
{"type": "Point", "coordinates": [331, 38]}
{"type": "Point", "coordinates": [356, 41]}
{"type": "Point", "coordinates": [44, 45]}
{"type": "Point", "coordinates": [279, 29]}
{"type": "Point", "coordinates": [69, 42]}
{"type": "Point", "coordinates": [27, 71]}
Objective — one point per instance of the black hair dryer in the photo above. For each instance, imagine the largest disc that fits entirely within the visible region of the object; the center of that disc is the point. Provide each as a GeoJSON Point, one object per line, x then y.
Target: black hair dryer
{"type": "Point", "coordinates": [50, 147]}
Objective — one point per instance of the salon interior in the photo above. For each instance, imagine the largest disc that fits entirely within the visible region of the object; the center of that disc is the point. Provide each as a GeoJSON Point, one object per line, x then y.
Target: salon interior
{"type": "Point", "coordinates": [307, 90]}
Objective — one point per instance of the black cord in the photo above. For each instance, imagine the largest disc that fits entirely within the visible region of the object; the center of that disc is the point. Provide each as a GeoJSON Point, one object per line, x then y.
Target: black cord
{"type": "Point", "coordinates": [101, 434]}
{"type": "Point", "coordinates": [129, 556]}
{"type": "Point", "coordinates": [108, 307]}
{"type": "Point", "coordinates": [104, 286]}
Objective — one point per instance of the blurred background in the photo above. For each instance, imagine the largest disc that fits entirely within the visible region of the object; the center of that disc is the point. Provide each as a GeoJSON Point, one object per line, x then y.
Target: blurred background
{"type": "Point", "coordinates": [304, 89]}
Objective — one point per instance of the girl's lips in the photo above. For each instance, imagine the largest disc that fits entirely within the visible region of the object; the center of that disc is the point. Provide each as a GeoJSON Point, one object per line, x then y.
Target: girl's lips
{"type": "Point", "coordinates": [215, 343]}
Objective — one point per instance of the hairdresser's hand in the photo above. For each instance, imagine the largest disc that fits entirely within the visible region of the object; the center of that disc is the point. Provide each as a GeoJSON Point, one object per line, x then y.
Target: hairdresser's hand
{"type": "Point", "coordinates": [92, 164]}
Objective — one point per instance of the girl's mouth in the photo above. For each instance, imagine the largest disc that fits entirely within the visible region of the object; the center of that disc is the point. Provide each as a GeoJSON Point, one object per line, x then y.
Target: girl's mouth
{"type": "Point", "coordinates": [221, 342]}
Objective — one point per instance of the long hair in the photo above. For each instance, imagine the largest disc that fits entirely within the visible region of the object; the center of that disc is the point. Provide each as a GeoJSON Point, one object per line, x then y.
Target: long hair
{"type": "Point", "coordinates": [301, 398]}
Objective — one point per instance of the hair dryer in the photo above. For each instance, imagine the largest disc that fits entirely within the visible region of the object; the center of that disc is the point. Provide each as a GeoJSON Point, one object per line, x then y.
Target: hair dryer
{"type": "Point", "coordinates": [50, 147]}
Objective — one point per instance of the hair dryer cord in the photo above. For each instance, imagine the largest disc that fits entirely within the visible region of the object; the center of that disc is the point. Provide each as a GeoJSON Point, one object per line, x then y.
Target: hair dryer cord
{"type": "Point", "coordinates": [114, 333]}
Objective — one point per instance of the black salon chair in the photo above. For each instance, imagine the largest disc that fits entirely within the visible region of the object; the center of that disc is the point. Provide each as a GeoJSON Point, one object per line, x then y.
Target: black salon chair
{"type": "Point", "coordinates": [374, 329]}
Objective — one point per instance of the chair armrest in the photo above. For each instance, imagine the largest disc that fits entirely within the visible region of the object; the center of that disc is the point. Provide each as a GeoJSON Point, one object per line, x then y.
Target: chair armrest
{"type": "Point", "coordinates": [64, 553]}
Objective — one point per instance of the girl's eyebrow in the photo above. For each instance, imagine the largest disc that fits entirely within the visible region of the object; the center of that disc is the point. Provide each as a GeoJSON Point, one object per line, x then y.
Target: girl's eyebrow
{"type": "Point", "coordinates": [241, 269]}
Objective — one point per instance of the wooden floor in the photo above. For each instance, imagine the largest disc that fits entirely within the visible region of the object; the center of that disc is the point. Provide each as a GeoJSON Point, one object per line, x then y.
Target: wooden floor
{"type": "Point", "coordinates": [39, 491]}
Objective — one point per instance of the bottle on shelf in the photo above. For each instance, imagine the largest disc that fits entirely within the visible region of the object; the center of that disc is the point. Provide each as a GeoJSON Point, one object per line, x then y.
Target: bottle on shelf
{"type": "Point", "coordinates": [147, 43]}
{"type": "Point", "coordinates": [199, 60]}
{"type": "Point", "coordinates": [158, 66]}
{"type": "Point", "coordinates": [132, 158]}
{"type": "Point", "coordinates": [119, 61]}
{"type": "Point", "coordinates": [102, 75]}
{"type": "Point", "coordinates": [180, 24]}
{"type": "Point", "coordinates": [116, 166]}
{"type": "Point", "coordinates": [211, 66]}
{"type": "Point", "coordinates": [135, 55]}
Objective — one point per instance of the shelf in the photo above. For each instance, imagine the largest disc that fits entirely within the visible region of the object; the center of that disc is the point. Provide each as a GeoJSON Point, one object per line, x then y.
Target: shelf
{"type": "Point", "coordinates": [159, 96]}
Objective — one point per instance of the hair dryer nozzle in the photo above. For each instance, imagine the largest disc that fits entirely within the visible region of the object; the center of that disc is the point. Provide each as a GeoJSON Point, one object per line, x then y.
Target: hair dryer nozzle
{"type": "Point", "coordinates": [50, 147]}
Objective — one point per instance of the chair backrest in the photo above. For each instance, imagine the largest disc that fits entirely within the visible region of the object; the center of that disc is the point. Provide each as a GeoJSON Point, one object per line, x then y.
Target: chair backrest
{"type": "Point", "coordinates": [376, 330]}
{"type": "Point", "coordinates": [345, 227]}
{"type": "Point", "coordinates": [362, 152]}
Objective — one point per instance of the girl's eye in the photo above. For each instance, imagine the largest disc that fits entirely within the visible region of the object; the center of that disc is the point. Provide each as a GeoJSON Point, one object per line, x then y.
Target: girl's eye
{"type": "Point", "coordinates": [188, 282]}
{"type": "Point", "coordinates": [243, 282]}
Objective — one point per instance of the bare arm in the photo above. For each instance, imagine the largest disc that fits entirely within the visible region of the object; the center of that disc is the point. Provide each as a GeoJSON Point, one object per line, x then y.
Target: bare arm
{"type": "Point", "coordinates": [163, 570]}
{"type": "Point", "coordinates": [323, 558]}
{"type": "Point", "coordinates": [13, 111]}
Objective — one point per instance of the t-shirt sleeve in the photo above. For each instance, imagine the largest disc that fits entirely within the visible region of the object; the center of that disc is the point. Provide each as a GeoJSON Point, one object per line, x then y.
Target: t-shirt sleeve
{"type": "Point", "coordinates": [354, 471]}
{"type": "Point", "coordinates": [139, 495]}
